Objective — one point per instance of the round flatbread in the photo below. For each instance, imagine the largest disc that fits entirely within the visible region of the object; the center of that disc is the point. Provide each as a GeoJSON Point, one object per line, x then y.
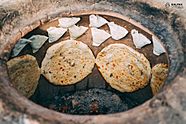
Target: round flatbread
{"type": "Point", "coordinates": [24, 73]}
{"type": "Point", "coordinates": [67, 62]}
{"type": "Point", "coordinates": [123, 68]}
{"type": "Point", "coordinates": [159, 74]}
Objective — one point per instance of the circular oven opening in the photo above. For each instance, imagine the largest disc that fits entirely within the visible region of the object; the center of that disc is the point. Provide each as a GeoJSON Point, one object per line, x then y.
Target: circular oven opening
{"type": "Point", "coordinates": [92, 95]}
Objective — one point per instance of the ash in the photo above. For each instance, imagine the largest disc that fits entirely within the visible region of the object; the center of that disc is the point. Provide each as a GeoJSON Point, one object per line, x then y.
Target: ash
{"type": "Point", "coordinates": [91, 102]}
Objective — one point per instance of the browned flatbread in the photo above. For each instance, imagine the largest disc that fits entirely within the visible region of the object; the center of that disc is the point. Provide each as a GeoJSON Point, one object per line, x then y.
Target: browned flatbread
{"type": "Point", "coordinates": [159, 74]}
{"type": "Point", "coordinates": [67, 62]}
{"type": "Point", "coordinates": [24, 73]}
{"type": "Point", "coordinates": [123, 68]}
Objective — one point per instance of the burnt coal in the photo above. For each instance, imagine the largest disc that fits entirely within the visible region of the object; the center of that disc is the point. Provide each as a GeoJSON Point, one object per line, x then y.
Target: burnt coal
{"type": "Point", "coordinates": [87, 101]}
{"type": "Point", "coordinates": [91, 102]}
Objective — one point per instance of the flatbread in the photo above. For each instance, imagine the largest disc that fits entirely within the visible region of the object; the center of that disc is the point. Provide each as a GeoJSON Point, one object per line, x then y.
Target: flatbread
{"type": "Point", "coordinates": [99, 36]}
{"type": "Point", "coordinates": [139, 39]}
{"type": "Point", "coordinates": [159, 75]}
{"type": "Point", "coordinates": [55, 33]}
{"type": "Point", "coordinates": [19, 46]}
{"type": "Point", "coordinates": [67, 22]}
{"type": "Point", "coordinates": [158, 48]}
{"type": "Point", "coordinates": [97, 21]}
{"type": "Point", "coordinates": [125, 69]}
{"type": "Point", "coordinates": [37, 42]}
{"type": "Point", "coordinates": [117, 32]}
{"type": "Point", "coordinates": [24, 73]}
{"type": "Point", "coordinates": [77, 31]}
{"type": "Point", "coordinates": [67, 62]}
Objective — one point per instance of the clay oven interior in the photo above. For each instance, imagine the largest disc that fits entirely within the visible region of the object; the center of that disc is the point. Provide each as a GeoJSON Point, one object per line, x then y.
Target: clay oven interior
{"type": "Point", "coordinates": [166, 25]}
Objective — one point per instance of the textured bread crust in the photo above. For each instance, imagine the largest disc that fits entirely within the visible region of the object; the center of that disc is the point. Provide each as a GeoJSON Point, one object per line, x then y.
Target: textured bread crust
{"type": "Point", "coordinates": [67, 62]}
{"type": "Point", "coordinates": [159, 74]}
{"type": "Point", "coordinates": [123, 68]}
{"type": "Point", "coordinates": [24, 73]}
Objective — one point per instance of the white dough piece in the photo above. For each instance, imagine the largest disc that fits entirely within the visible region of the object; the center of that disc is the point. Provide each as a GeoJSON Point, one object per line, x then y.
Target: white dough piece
{"type": "Point", "coordinates": [55, 33]}
{"type": "Point", "coordinates": [76, 31]}
{"type": "Point", "coordinates": [67, 22]}
{"type": "Point", "coordinates": [158, 49]}
{"type": "Point", "coordinates": [37, 42]}
{"type": "Point", "coordinates": [117, 32]}
{"type": "Point", "coordinates": [139, 39]}
{"type": "Point", "coordinates": [97, 21]}
{"type": "Point", "coordinates": [99, 36]}
{"type": "Point", "coordinates": [19, 46]}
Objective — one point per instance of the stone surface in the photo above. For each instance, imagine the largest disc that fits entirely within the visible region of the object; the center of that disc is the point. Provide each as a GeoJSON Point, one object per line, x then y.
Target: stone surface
{"type": "Point", "coordinates": [166, 107]}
